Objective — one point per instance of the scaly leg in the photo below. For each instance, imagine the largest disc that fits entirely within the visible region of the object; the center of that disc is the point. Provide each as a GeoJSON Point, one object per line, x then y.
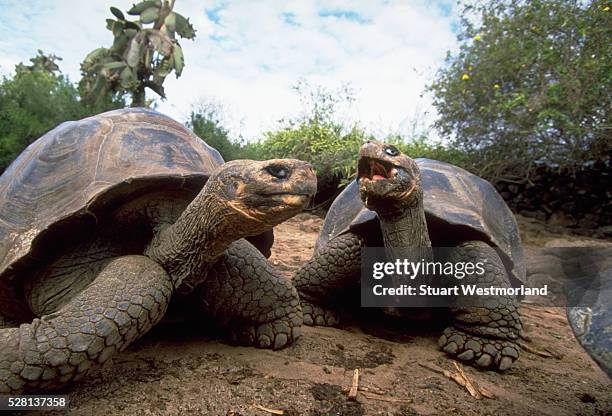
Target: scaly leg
{"type": "Point", "coordinates": [127, 298]}
{"type": "Point", "coordinates": [321, 280]}
{"type": "Point", "coordinates": [244, 292]}
{"type": "Point", "coordinates": [484, 334]}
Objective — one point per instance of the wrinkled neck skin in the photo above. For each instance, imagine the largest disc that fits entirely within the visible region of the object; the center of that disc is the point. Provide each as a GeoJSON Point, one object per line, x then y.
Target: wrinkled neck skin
{"type": "Point", "coordinates": [405, 236]}
{"type": "Point", "coordinates": [405, 228]}
{"type": "Point", "coordinates": [186, 248]}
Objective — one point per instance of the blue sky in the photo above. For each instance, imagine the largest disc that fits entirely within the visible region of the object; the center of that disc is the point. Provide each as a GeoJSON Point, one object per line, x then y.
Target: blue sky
{"type": "Point", "coordinates": [248, 55]}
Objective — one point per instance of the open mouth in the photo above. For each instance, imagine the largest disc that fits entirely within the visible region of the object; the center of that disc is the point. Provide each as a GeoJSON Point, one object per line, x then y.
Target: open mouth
{"type": "Point", "coordinates": [375, 170]}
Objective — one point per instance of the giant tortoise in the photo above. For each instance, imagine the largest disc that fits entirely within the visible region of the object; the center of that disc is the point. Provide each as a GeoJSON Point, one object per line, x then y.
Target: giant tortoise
{"type": "Point", "coordinates": [398, 202]}
{"type": "Point", "coordinates": [103, 219]}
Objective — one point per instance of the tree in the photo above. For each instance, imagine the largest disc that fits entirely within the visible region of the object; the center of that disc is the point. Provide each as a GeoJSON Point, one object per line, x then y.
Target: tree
{"type": "Point", "coordinates": [205, 122]}
{"type": "Point", "coordinates": [40, 63]}
{"type": "Point", "coordinates": [141, 57]}
{"type": "Point", "coordinates": [33, 101]}
{"type": "Point", "coordinates": [532, 82]}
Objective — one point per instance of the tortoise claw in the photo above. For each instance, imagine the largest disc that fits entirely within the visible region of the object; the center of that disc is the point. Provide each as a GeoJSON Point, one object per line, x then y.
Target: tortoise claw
{"type": "Point", "coordinates": [270, 335]}
{"type": "Point", "coordinates": [479, 351]}
{"type": "Point", "coordinates": [317, 316]}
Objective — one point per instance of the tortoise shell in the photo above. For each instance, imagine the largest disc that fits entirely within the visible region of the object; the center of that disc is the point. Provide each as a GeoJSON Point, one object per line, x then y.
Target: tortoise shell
{"type": "Point", "coordinates": [458, 206]}
{"type": "Point", "coordinates": [68, 179]}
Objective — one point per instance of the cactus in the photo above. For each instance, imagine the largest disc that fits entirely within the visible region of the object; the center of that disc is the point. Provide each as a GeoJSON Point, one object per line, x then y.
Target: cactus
{"type": "Point", "coordinates": [141, 56]}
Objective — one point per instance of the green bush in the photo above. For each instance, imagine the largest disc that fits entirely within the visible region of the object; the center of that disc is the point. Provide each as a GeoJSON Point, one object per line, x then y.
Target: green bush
{"type": "Point", "coordinates": [331, 146]}
{"type": "Point", "coordinates": [205, 123]}
{"type": "Point", "coordinates": [531, 82]}
{"type": "Point", "coordinates": [327, 145]}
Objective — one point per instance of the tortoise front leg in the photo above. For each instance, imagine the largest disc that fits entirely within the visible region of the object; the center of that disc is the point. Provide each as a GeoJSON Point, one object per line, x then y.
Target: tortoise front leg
{"type": "Point", "coordinates": [486, 335]}
{"type": "Point", "coordinates": [245, 293]}
{"type": "Point", "coordinates": [321, 281]}
{"type": "Point", "coordinates": [127, 298]}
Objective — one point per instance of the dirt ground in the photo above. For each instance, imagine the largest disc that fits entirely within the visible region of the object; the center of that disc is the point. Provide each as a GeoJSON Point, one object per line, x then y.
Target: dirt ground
{"type": "Point", "coordinates": [188, 370]}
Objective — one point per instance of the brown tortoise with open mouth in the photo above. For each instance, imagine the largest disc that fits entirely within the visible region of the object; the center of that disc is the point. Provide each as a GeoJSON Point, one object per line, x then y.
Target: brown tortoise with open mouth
{"type": "Point", "coordinates": [398, 202]}
{"type": "Point", "coordinates": [103, 219]}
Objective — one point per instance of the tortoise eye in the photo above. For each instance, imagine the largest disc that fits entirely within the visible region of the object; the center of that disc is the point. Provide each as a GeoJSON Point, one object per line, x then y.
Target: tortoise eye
{"type": "Point", "coordinates": [278, 172]}
{"type": "Point", "coordinates": [391, 150]}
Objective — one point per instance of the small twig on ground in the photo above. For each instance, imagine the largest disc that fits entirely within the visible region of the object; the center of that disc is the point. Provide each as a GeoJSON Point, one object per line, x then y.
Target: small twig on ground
{"type": "Point", "coordinates": [376, 396]}
{"type": "Point", "coordinates": [472, 387]}
{"type": "Point", "coordinates": [352, 395]}
{"type": "Point", "coordinates": [268, 410]}
{"type": "Point", "coordinates": [535, 351]}
{"type": "Point", "coordinates": [461, 378]}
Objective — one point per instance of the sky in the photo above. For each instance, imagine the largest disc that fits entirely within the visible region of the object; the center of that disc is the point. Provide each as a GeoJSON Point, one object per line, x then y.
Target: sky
{"type": "Point", "coordinates": [247, 55]}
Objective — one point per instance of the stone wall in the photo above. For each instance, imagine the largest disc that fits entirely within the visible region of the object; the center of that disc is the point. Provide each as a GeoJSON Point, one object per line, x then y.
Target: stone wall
{"type": "Point", "coordinates": [580, 201]}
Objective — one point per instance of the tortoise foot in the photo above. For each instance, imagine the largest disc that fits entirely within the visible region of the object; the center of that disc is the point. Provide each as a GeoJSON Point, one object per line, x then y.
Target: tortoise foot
{"type": "Point", "coordinates": [270, 335]}
{"type": "Point", "coordinates": [315, 315]}
{"type": "Point", "coordinates": [479, 351]}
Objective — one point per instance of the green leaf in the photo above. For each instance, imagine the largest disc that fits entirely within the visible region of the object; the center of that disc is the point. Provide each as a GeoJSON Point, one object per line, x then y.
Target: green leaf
{"type": "Point", "coordinates": [149, 15]}
{"type": "Point", "coordinates": [114, 65]}
{"type": "Point", "coordinates": [131, 25]}
{"type": "Point", "coordinates": [183, 27]}
{"type": "Point", "coordinates": [133, 54]}
{"type": "Point", "coordinates": [99, 86]}
{"type": "Point", "coordinates": [158, 88]}
{"type": "Point", "coordinates": [117, 28]}
{"type": "Point", "coordinates": [170, 21]}
{"type": "Point", "coordinates": [179, 60]}
{"type": "Point", "coordinates": [110, 23]}
{"type": "Point", "coordinates": [120, 42]}
{"type": "Point", "coordinates": [117, 13]}
{"type": "Point", "coordinates": [131, 32]}
{"type": "Point", "coordinates": [162, 71]}
{"type": "Point", "coordinates": [142, 6]}
{"type": "Point", "coordinates": [94, 55]}
{"type": "Point", "coordinates": [127, 78]}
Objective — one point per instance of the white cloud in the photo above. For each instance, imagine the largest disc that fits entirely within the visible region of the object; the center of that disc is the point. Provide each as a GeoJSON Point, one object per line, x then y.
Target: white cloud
{"type": "Point", "coordinates": [251, 53]}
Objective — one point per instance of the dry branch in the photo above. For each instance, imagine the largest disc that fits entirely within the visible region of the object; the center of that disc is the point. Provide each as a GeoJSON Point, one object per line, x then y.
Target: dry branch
{"type": "Point", "coordinates": [268, 410]}
{"type": "Point", "coordinates": [461, 378]}
{"type": "Point", "coordinates": [469, 385]}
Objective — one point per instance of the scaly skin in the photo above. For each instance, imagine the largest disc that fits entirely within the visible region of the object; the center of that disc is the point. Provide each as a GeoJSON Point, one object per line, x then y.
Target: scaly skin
{"type": "Point", "coordinates": [62, 347]}
{"type": "Point", "coordinates": [246, 295]}
{"type": "Point", "coordinates": [323, 277]}
{"type": "Point", "coordinates": [131, 293]}
{"type": "Point", "coordinates": [483, 336]}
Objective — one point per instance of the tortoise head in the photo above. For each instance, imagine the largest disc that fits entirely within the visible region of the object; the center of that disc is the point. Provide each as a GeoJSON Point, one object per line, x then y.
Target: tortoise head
{"type": "Point", "coordinates": [389, 181]}
{"type": "Point", "coordinates": [264, 193]}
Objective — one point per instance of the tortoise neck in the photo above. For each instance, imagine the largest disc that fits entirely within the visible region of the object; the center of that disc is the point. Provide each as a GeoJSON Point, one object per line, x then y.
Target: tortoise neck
{"type": "Point", "coordinates": [199, 236]}
{"type": "Point", "coordinates": [406, 230]}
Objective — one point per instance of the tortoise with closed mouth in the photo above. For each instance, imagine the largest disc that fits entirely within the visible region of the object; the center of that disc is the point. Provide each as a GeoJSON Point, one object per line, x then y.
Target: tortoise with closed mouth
{"type": "Point", "coordinates": [102, 220]}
